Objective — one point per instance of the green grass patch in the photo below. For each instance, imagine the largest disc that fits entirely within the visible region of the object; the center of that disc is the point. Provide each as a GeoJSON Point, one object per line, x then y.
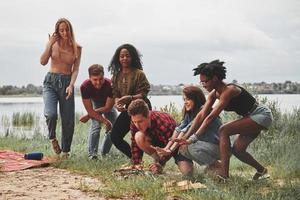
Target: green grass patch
{"type": "Point", "coordinates": [23, 119]}
{"type": "Point", "coordinates": [278, 149]}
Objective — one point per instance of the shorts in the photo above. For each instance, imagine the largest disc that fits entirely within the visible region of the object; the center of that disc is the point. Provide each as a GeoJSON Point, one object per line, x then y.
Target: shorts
{"type": "Point", "coordinates": [203, 153]}
{"type": "Point", "coordinates": [179, 157]}
{"type": "Point", "coordinates": [262, 115]}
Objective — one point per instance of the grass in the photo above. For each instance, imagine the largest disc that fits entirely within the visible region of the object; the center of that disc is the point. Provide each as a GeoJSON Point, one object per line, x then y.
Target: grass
{"type": "Point", "coordinates": [23, 119]}
{"type": "Point", "coordinates": [278, 149]}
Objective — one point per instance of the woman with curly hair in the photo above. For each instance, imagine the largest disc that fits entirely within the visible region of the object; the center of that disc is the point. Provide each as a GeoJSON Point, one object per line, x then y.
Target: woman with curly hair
{"type": "Point", "coordinates": [234, 98]}
{"type": "Point", "coordinates": [129, 83]}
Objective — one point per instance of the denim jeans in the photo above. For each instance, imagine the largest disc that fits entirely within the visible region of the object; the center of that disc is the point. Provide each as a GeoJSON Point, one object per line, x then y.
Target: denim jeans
{"type": "Point", "coordinates": [94, 133]}
{"type": "Point", "coordinates": [54, 92]}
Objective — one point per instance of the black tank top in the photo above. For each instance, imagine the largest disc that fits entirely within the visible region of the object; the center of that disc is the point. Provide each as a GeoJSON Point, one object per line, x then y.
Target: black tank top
{"type": "Point", "coordinates": [241, 104]}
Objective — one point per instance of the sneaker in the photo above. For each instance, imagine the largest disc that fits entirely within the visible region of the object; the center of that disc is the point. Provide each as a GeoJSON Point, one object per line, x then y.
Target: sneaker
{"type": "Point", "coordinates": [93, 157]}
{"type": "Point", "coordinates": [55, 146]}
{"type": "Point", "coordinates": [261, 175]}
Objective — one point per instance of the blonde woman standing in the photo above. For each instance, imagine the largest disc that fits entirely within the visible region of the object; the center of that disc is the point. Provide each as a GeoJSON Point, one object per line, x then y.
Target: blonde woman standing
{"type": "Point", "coordinates": [58, 87]}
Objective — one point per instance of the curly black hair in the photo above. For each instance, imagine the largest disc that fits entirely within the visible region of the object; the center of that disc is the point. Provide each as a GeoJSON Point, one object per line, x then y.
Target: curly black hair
{"type": "Point", "coordinates": [214, 68]}
{"type": "Point", "coordinates": [115, 66]}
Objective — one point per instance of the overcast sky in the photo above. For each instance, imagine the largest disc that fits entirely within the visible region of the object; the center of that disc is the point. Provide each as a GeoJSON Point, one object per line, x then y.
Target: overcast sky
{"type": "Point", "coordinates": [258, 40]}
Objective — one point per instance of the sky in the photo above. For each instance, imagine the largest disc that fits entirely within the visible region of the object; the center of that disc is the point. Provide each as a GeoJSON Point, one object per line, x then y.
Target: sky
{"type": "Point", "coordinates": [258, 40]}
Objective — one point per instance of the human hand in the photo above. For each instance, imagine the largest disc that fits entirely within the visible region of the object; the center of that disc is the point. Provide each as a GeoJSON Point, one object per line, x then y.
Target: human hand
{"type": "Point", "coordinates": [138, 166]}
{"type": "Point", "coordinates": [120, 107]}
{"type": "Point", "coordinates": [133, 166]}
{"type": "Point", "coordinates": [108, 125]}
{"type": "Point", "coordinates": [182, 141]}
{"type": "Point", "coordinates": [182, 149]}
{"type": "Point", "coordinates": [162, 151]}
{"type": "Point", "coordinates": [125, 99]}
{"type": "Point", "coordinates": [156, 168]}
{"type": "Point", "coordinates": [84, 118]}
{"type": "Point", "coordinates": [69, 91]}
{"type": "Point", "coordinates": [53, 38]}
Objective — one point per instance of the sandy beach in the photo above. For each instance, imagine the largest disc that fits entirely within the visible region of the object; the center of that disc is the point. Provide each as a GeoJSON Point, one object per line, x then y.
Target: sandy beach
{"type": "Point", "coordinates": [47, 183]}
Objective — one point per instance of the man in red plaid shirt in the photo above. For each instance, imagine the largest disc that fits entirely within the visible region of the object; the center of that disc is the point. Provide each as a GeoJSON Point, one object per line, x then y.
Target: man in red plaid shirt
{"type": "Point", "coordinates": [150, 129]}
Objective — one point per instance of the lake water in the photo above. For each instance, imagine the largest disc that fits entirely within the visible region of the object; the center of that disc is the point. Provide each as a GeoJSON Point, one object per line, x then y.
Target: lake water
{"type": "Point", "coordinates": [9, 105]}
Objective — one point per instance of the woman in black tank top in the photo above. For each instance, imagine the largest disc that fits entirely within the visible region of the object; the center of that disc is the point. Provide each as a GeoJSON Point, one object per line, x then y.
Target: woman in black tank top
{"type": "Point", "coordinates": [231, 98]}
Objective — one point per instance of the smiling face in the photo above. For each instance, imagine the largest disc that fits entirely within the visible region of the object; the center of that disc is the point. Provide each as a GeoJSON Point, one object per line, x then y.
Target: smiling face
{"type": "Point", "coordinates": [141, 122]}
{"type": "Point", "coordinates": [125, 58]}
{"type": "Point", "coordinates": [188, 104]}
{"type": "Point", "coordinates": [63, 31]}
{"type": "Point", "coordinates": [97, 81]}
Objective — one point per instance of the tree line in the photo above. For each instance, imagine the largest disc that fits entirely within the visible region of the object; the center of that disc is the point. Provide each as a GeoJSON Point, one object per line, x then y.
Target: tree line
{"type": "Point", "coordinates": [288, 87]}
{"type": "Point", "coordinates": [30, 89]}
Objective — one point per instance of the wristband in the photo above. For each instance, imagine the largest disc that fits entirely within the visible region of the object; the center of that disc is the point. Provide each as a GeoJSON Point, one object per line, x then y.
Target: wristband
{"type": "Point", "coordinates": [193, 138]}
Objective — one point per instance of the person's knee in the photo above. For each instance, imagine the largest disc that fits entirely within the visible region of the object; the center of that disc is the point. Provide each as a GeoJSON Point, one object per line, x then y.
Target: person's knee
{"type": "Point", "coordinates": [140, 139]}
{"type": "Point", "coordinates": [95, 126]}
{"type": "Point", "coordinates": [237, 150]}
{"type": "Point", "coordinates": [51, 116]}
{"type": "Point", "coordinates": [95, 133]}
{"type": "Point", "coordinates": [111, 116]}
{"type": "Point", "coordinates": [115, 138]}
{"type": "Point", "coordinates": [185, 168]}
{"type": "Point", "coordinates": [224, 131]}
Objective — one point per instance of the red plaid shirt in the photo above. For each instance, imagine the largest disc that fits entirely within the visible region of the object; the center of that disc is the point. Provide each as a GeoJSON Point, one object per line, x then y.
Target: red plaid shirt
{"type": "Point", "coordinates": [162, 128]}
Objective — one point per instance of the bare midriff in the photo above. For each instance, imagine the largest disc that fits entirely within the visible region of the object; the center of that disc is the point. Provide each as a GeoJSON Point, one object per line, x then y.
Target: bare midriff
{"type": "Point", "coordinates": [61, 61]}
{"type": "Point", "coordinates": [61, 69]}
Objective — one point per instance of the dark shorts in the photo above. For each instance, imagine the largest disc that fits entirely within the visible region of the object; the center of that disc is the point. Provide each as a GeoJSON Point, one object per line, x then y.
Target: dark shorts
{"type": "Point", "coordinates": [179, 157]}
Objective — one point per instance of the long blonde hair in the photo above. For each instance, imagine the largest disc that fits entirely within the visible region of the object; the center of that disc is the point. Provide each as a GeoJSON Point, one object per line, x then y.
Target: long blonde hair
{"type": "Point", "coordinates": [71, 37]}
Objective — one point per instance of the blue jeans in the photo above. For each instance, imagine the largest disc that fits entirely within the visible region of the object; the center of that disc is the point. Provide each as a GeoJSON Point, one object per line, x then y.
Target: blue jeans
{"type": "Point", "coordinates": [94, 133]}
{"type": "Point", "coordinates": [54, 92]}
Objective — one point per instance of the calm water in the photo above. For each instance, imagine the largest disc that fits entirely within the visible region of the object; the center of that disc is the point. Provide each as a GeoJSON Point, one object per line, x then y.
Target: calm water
{"type": "Point", "coordinates": [8, 106]}
{"type": "Point", "coordinates": [35, 104]}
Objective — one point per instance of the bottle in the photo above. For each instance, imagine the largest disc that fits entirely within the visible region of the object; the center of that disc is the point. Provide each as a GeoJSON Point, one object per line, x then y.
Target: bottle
{"type": "Point", "coordinates": [33, 156]}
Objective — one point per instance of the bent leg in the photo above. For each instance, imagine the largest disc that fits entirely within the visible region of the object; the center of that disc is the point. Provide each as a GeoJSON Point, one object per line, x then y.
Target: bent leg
{"type": "Point", "coordinates": [93, 140]}
{"type": "Point", "coordinates": [239, 150]}
{"type": "Point", "coordinates": [213, 167]}
{"type": "Point", "coordinates": [119, 130]}
{"type": "Point", "coordinates": [244, 127]}
{"type": "Point", "coordinates": [186, 168]}
{"type": "Point", "coordinates": [185, 165]}
{"type": "Point", "coordinates": [145, 144]}
{"type": "Point", "coordinates": [107, 143]}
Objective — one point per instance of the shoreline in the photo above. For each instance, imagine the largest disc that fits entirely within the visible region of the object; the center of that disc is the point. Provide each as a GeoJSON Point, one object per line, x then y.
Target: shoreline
{"type": "Point", "coordinates": [78, 95]}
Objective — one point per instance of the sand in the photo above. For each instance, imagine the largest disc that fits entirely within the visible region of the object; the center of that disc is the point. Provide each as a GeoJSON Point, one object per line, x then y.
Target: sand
{"type": "Point", "coordinates": [47, 183]}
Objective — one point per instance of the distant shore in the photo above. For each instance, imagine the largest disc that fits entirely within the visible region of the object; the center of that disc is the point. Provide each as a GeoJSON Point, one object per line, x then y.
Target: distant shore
{"type": "Point", "coordinates": [288, 87]}
{"type": "Point", "coordinates": [151, 94]}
